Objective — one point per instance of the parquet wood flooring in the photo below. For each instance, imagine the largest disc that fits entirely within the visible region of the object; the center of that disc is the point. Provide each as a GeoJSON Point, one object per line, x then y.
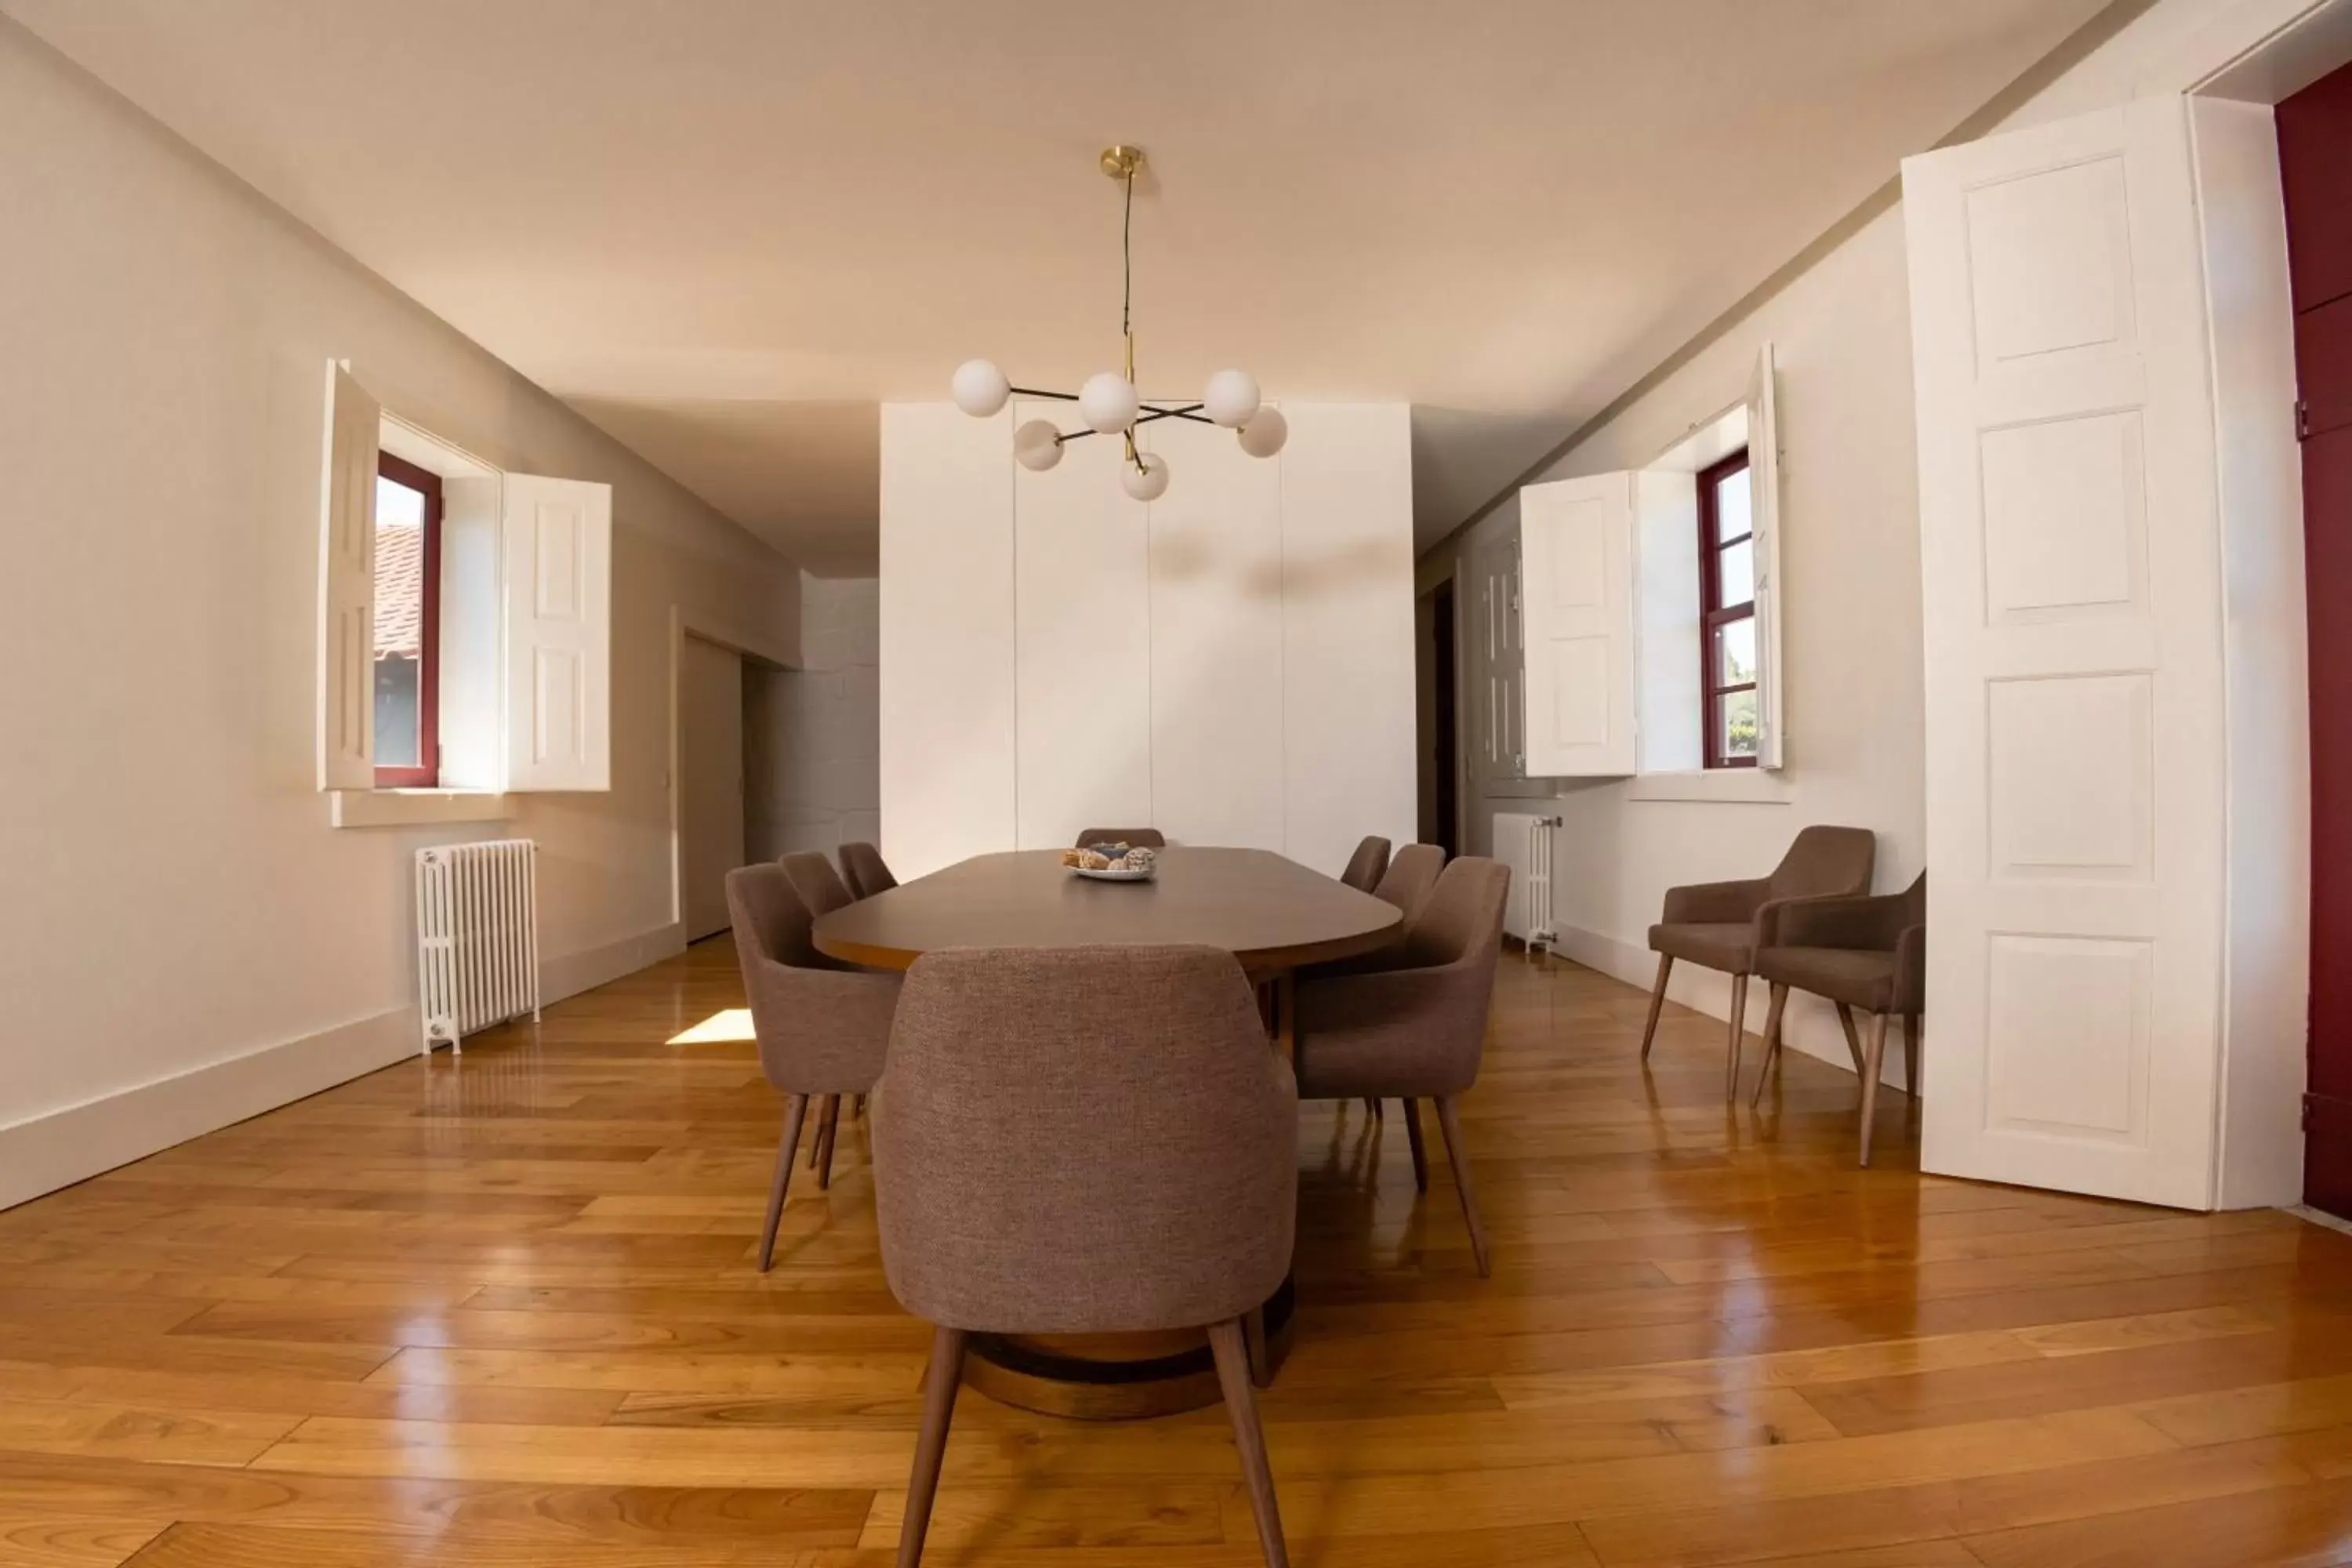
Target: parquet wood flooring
{"type": "Point", "coordinates": [501, 1310]}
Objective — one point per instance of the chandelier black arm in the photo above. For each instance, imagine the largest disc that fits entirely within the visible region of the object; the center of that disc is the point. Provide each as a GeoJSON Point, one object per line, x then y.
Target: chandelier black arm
{"type": "Point", "coordinates": [1035, 392]}
{"type": "Point", "coordinates": [1146, 417]}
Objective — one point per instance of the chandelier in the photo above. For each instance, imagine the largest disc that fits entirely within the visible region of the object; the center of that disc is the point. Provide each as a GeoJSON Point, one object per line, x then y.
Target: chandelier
{"type": "Point", "coordinates": [1109, 402]}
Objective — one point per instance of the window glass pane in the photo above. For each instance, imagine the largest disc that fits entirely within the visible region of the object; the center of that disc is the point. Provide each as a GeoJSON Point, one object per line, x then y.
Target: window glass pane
{"type": "Point", "coordinates": [1734, 653]}
{"type": "Point", "coordinates": [1733, 517]}
{"type": "Point", "coordinates": [1737, 716]}
{"type": "Point", "coordinates": [399, 621]}
{"type": "Point", "coordinates": [1735, 573]}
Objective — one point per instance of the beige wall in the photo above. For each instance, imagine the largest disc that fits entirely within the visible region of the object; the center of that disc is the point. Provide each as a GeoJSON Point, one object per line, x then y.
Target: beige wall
{"type": "Point", "coordinates": [815, 731]}
{"type": "Point", "coordinates": [186, 941]}
{"type": "Point", "coordinates": [1850, 559]}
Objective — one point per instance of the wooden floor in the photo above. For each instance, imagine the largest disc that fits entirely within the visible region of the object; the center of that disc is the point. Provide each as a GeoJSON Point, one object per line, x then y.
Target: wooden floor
{"type": "Point", "coordinates": [501, 1311]}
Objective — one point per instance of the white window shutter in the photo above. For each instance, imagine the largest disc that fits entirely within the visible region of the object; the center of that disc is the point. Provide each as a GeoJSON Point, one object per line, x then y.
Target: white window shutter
{"type": "Point", "coordinates": [347, 585]}
{"type": "Point", "coordinates": [558, 580]}
{"type": "Point", "coordinates": [1764, 487]}
{"type": "Point", "coordinates": [1575, 624]}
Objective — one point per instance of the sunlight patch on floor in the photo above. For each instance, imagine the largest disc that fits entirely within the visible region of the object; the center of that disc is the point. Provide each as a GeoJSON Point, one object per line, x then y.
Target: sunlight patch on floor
{"type": "Point", "coordinates": [723, 1027]}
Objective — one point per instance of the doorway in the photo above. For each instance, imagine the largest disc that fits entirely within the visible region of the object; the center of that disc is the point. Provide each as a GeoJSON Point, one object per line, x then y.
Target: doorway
{"type": "Point", "coordinates": [710, 782]}
{"type": "Point", "coordinates": [1440, 757]}
{"type": "Point", "coordinates": [2314, 133]}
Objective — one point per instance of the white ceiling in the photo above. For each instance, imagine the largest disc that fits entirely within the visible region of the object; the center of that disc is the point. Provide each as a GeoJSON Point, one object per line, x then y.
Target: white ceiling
{"type": "Point", "coordinates": [724, 229]}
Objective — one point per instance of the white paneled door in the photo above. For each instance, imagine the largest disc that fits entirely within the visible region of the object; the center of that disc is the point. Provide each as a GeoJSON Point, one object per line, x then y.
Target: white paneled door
{"type": "Point", "coordinates": [2073, 602]}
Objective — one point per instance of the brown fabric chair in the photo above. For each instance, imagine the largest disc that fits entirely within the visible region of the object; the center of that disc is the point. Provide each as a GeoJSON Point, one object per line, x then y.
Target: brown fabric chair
{"type": "Point", "coordinates": [1418, 1028]}
{"type": "Point", "coordinates": [1133, 838]}
{"type": "Point", "coordinates": [822, 1027]}
{"type": "Point", "coordinates": [821, 891]}
{"type": "Point", "coordinates": [1042, 1167]}
{"type": "Point", "coordinates": [1715, 924]}
{"type": "Point", "coordinates": [1870, 954]}
{"type": "Point", "coordinates": [1368, 864]}
{"type": "Point", "coordinates": [862, 867]}
{"type": "Point", "coordinates": [1409, 877]}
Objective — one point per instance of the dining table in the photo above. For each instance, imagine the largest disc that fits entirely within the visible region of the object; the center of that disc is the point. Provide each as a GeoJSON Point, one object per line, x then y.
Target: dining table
{"type": "Point", "coordinates": [1273, 914]}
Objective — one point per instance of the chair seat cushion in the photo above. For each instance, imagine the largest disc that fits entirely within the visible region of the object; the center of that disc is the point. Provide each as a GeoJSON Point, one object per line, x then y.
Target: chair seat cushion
{"type": "Point", "coordinates": [1725, 946]}
{"type": "Point", "coordinates": [1861, 979]}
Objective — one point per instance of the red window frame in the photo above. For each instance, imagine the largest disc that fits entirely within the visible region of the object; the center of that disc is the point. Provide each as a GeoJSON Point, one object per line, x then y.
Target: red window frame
{"type": "Point", "coordinates": [1714, 615]}
{"type": "Point", "coordinates": [427, 774]}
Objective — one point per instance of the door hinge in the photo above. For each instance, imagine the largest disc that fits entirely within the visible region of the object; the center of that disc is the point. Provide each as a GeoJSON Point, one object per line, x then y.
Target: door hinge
{"type": "Point", "coordinates": [2301, 420]}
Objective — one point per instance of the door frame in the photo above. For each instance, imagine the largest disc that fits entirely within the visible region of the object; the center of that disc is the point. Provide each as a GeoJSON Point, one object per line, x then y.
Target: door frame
{"type": "Point", "coordinates": [685, 623]}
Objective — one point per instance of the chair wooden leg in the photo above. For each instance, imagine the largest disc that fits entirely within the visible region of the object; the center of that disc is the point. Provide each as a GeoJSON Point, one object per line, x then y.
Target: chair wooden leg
{"type": "Point", "coordinates": [1657, 1000]}
{"type": "Point", "coordinates": [1261, 1364]}
{"type": "Point", "coordinates": [824, 1137]}
{"type": "Point", "coordinates": [939, 1385]}
{"type": "Point", "coordinates": [1372, 1106]}
{"type": "Point", "coordinates": [1241, 1403]}
{"type": "Point", "coordinates": [1911, 1053]}
{"type": "Point", "coordinates": [1420, 1154]}
{"type": "Point", "coordinates": [816, 1133]}
{"type": "Point", "coordinates": [1853, 1041]}
{"type": "Point", "coordinates": [1449, 1121]}
{"type": "Point", "coordinates": [1771, 1040]}
{"type": "Point", "coordinates": [1873, 1054]}
{"type": "Point", "coordinates": [1738, 1037]}
{"type": "Point", "coordinates": [796, 1109]}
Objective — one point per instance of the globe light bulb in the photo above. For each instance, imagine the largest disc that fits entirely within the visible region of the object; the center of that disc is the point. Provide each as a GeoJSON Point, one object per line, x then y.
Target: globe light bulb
{"type": "Point", "coordinates": [1147, 482]}
{"type": "Point", "coordinates": [1037, 446]}
{"type": "Point", "coordinates": [1263, 435]}
{"type": "Point", "coordinates": [981, 388]}
{"type": "Point", "coordinates": [1232, 398]}
{"type": "Point", "coordinates": [1109, 402]}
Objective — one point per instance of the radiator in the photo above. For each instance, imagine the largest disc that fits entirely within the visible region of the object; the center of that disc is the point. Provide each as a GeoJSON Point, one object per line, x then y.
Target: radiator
{"type": "Point", "coordinates": [476, 937]}
{"type": "Point", "coordinates": [1524, 843]}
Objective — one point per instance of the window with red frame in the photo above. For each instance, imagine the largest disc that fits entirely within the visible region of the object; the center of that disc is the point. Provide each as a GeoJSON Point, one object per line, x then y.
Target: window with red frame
{"type": "Point", "coordinates": [1727, 621]}
{"type": "Point", "coordinates": [407, 624]}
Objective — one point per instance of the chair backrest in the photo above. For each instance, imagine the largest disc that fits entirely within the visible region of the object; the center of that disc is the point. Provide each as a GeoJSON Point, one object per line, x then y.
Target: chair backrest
{"type": "Point", "coordinates": [862, 867]}
{"type": "Point", "coordinates": [1826, 861]}
{"type": "Point", "coordinates": [1461, 921]}
{"type": "Point", "coordinates": [1133, 838]}
{"type": "Point", "coordinates": [1083, 1140]}
{"type": "Point", "coordinates": [819, 885]}
{"type": "Point", "coordinates": [1368, 864]}
{"type": "Point", "coordinates": [1409, 877]}
{"type": "Point", "coordinates": [821, 1028]}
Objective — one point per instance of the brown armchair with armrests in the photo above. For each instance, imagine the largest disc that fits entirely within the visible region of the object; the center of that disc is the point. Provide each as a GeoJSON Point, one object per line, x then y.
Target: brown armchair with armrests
{"type": "Point", "coordinates": [1718, 924]}
{"type": "Point", "coordinates": [1866, 953]}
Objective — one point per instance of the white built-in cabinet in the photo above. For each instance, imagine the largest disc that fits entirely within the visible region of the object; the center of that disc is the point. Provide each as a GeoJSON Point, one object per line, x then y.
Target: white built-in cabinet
{"type": "Point", "coordinates": [1586, 636]}
{"type": "Point", "coordinates": [1231, 663]}
{"type": "Point", "coordinates": [2117, 930]}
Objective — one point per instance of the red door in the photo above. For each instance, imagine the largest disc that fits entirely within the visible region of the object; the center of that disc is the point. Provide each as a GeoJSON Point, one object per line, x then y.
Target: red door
{"type": "Point", "coordinates": [2315, 130]}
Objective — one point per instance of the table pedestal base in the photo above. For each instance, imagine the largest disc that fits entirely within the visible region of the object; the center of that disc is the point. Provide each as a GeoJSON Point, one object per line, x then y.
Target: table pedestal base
{"type": "Point", "coordinates": [1113, 1377]}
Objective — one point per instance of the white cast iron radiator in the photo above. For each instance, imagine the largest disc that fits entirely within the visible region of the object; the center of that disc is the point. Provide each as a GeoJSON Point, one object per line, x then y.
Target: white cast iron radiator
{"type": "Point", "coordinates": [1524, 843]}
{"type": "Point", "coordinates": [476, 937]}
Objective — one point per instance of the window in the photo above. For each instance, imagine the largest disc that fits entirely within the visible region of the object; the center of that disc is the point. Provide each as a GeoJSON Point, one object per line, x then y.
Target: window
{"type": "Point", "coordinates": [1727, 621]}
{"type": "Point", "coordinates": [407, 624]}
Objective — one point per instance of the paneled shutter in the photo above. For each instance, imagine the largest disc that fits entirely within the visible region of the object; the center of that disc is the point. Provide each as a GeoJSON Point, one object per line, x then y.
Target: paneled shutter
{"type": "Point", "coordinates": [558, 583]}
{"type": "Point", "coordinates": [347, 585]}
{"type": "Point", "coordinates": [1764, 485]}
{"type": "Point", "coordinates": [1576, 598]}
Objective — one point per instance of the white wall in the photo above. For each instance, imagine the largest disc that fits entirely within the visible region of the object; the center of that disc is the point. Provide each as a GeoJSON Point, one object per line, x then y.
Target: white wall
{"type": "Point", "coordinates": [186, 941]}
{"type": "Point", "coordinates": [1849, 563]}
{"type": "Point", "coordinates": [1231, 663]}
{"type": "Point", "coordinates": [814, 731]}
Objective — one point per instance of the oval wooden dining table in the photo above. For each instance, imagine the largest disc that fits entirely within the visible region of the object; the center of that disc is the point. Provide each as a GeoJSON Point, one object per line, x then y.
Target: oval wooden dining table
{"type": "Point", "coordinates": [1271, 913]}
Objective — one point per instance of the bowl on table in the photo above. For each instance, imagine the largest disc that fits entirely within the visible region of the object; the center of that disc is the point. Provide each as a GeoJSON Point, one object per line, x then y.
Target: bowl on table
{"type": "Point", "coordinates": [1112, 862]}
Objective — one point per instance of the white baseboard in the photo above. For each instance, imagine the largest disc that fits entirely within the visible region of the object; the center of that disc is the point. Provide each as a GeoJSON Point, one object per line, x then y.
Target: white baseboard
{"type": "Point", "coordinates": [44, 1153]}
{"type": "Point", "coordinates": [1810, 1025]}
{"type": "Point", "coordinates": [59, 1148]}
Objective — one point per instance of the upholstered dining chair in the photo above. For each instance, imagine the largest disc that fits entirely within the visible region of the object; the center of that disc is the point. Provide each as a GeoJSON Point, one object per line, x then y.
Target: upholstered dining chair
{"type": "Point", "coordinates": [1041, 1168]}
{"type": "Point", "coordinates": [1417, 1029]}
{"type": "Point", "coordinates": [1716, 924]}
{"type": "Point", "coordinates": [1409, 877]}
{"type": "Point", "coordinates": [1368, 864]}
{"type": "Point", "coordinates": [1868, 952]}
{"type": "Point", "coordinates": [1134, 837]}
{"type": "Point", "coordinates": [821, 891]}
{"type": "Point", "coordinates": [862, 867]}
{"type": "Point", "coordinates": [821, 1028]}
